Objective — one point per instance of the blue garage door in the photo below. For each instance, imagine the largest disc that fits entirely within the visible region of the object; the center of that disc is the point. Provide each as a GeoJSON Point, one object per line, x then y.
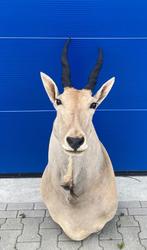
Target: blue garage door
{"type": "Point", "coordinates": [32, 34]}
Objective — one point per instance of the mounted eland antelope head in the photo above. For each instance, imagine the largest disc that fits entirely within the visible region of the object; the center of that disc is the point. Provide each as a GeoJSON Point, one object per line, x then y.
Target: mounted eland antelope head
{"type": "Point", "coordinates": [78, 184]}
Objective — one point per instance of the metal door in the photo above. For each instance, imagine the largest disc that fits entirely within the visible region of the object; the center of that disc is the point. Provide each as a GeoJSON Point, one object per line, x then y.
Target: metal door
{"type": "Point", "coordinates": [32, 34]}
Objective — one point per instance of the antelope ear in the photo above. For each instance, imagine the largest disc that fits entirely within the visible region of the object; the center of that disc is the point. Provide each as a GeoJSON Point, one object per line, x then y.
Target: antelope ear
{"type": "Point", "coordinates": [104, 90]}
{"type": "Point", "coordinates": [49, 86]}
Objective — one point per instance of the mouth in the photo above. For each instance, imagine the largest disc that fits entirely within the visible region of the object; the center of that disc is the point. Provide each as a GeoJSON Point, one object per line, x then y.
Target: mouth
{"type": "Point", "coordinates": [74, 152]}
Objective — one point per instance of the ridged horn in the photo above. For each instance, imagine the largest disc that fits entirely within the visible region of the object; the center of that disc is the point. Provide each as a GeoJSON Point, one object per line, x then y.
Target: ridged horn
{"type": "Point", "coordinates": [66, 81]}
{"type": "Point", "coordinates": [95, 72]}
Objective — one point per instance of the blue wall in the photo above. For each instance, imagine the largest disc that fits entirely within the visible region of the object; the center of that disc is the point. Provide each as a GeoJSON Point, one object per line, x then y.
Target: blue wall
{"type": "Point", "coordinates": [32, 34]}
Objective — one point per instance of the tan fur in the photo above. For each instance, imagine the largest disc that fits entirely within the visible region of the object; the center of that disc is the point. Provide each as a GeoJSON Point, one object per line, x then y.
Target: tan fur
{"type": "Point", "coordinates": [89, 171]}
{"type": "Point", "coordinates": [67, 178]}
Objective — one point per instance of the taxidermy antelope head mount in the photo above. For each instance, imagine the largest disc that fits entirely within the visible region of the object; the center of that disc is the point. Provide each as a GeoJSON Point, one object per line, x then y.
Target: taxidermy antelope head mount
{"type": "Point", "coordinates": [78, 184]}
{"type": "Point", "coordinates": [75, 108]}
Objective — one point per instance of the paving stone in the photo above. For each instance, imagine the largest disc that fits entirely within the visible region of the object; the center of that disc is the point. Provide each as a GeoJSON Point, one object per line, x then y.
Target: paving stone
{"type": "Point", "coordinates": [39, 205]}
{"type": "Point", "coordinates": [12, 223]}
{"type": "Point", "coordinates": [143, 225]}
{"type": "Point", "coordinates": [110, 230]}
{"type": "Point", "coordinates": [128, 204]}
{"type": "Point", "coordinates": [8, 239]}
{"type": "Point", "coordinates": [144, 203]}
{"type": "Point", "coordinates": [3, 206]}
{"type": "Point", "coordinates": [2, 221]}
{"type": "Point", "coordinates": [28, 246]}
{"type": "Point", "coordinates": [49, 239]}
{"type": "Point", "coordinates": [111, 244]}
{"type": "Point", "coordinates": [32, 213]}
{"type": "Point", "coordinates": [127, 221]}
{"type": "Point", "coordinates": [47, 213]}
{"type": "Point", "coordinates": [38, 219]}
{"type": "Point", "coordinates": [18, 206]}
{"type": "Point", "coordinates": [122, 211]}
{"type": "Point", "coordinates": [8, 214]}
{"type": "Point", "coordinates": [130, 238]}
{"type": "Point", "coordinates": [30, 230]}
{"type": "Point", "coordinates": [69, 245]}
{"type": "Point", "coordinates": [49, 223]}
{"type": "Point", "coordinates": [144, 243]}
{"type": "Point", "coordinates": [91, 242]}
{"type": "Point", "coordinates": [64, 237]}
{"type": "Point", "coordinates": [137, 211]}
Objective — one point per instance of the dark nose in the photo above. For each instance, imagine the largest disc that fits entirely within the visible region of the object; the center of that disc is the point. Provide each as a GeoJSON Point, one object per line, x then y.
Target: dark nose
{"type": "Point", "coordinates": [75, 142]}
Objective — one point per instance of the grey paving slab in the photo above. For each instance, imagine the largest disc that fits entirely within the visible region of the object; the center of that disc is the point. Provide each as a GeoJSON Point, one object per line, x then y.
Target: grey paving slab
{"type": "Point", "coordinates": [49, 239]}
{"type": "Point", "coordinates": [12, 223]}
{"type": "Point", "coordinates": [143, 203]}
{"type": "Point", "coordinates": [28, 246]}
{"type": "Point", "coordinates": [32, 213]}
{"type": "Point", "coordinates": [92, 242]}
{"type": "Point", "coordinates": [122, 211]}
{"type": "Point", "coordinates": [20, 190]}
{"type": "Point", "coordinates": [8, 214]}
{"type": "Point", "coordinates": [30, 230]}
{"type": "Point", "coordinates": [137, 211]}
{"type": "Point", "coordinates": [130, 238]}
{"type": "Point", "coordinates": [144, 243]}
{"type": "Point", "coordinates": [63, 237]}
{"type": "Point", "coordinates": [143, 225]}
{"type": "Point", "coordinates": [66, 245]}
{"type": "Point", "coordinates": [2, 221]}
{"type": "Point", "coordinates": [47, 213]}
{"type": "Point", "coordinates": [127, 221]}
{"type": "Point", "coordinates": [8, 239]}
{"type": "Point", "coordinates": [38, 231]}
{"type": "Point", "coordinates": [128, 204]}
{"type": "Point", "coordinates": [18, 206]}
{"type": "Point", "coordinates": [49, 223]}
{"type": "Point", "coordinates": [110, 245]}
{"type": "Point", "coordinates": [39, 205]}
{"type": "Point", "coordinates": [132, 188]}
{"type": "Point", "coordinates": [110, 230]}
{"type": "Point", "coordinates": [3, 206]}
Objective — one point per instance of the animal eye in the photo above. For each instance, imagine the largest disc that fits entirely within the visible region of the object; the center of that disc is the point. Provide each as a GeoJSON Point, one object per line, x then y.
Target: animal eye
{"type": "Point", "coordinates": [93, 105]}
{"type": "Point", "coordinates": [58, 102]}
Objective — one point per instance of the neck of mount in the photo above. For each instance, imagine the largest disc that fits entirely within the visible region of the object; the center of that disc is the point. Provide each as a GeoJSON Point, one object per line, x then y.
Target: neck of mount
{"type": "Point", "coordinates": [84, 165]}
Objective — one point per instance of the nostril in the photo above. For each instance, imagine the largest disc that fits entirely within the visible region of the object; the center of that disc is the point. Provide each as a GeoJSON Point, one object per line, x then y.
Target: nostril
{"type": "Point", "coordinates": [69, 140]}
{"type": "Point", "coordinates": [75, 142]}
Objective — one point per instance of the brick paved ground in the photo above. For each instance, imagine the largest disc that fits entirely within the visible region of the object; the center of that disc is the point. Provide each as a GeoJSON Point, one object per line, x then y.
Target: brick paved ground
{"type": "Point", "coordinates": [28, 226]}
